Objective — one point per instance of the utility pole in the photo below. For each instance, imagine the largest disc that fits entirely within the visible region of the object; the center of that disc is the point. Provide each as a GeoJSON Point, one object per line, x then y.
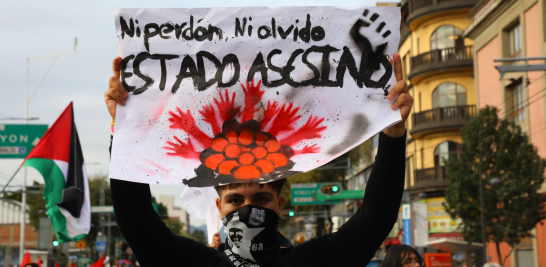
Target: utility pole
{"type": "Point", "coordinates": [485, 254]}
{"type": "Point", "coordinates": [27, 101]}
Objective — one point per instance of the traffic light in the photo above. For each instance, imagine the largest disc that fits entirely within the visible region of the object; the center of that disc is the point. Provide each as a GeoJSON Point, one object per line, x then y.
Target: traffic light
{"type": "Point", "coordinates": [55, 243]}
{"type": "Point", "coordinates": [330, 189]}
{"type": "Point", "coordinates": [288, 213]}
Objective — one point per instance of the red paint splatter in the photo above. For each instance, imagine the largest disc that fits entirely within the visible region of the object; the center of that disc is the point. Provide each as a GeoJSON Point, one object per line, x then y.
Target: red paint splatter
{"type": "Point", "coordinates": [310, 130]}
{"type": "Point", "coordinates": [156, 165]}
{"type": "Point", "coordinates": [253, 96]}
{"type": "Point", "coordinates": [269, 113]}
{"type": "Point", "coordinates": [210, 117]}
{"type": "Point", "coordinates": [307, 150]}
{"type": "Point", "coordinates": [152, 168]}
{"type": "Point", "coordinates": [186, 122]}
{"type": "Point", "coordinates": [185, 150]}
{"type": "Point", "coordinates": [285, 119]}
{"type": "Point", "coordinates": [227, 109]}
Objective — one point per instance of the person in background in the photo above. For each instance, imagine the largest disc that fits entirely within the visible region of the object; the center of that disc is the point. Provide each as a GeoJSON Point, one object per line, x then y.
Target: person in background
{"type": "Point", "coordinates": [402, 256]}
{"type": "Point", "coordinates": [216, 241]}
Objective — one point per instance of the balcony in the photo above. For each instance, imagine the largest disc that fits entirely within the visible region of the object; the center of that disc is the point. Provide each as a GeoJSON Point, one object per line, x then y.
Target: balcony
{"type": "Point", "coordinates": [430, 178]}
{"type": "Point", "coordinates": [439, 61]}
{"type": "Point", "coordinates": [440, 119]}
{"type": "Point", "coordinates": [404, 33]}
{"type": "Point", "coordinates": [420, 10]}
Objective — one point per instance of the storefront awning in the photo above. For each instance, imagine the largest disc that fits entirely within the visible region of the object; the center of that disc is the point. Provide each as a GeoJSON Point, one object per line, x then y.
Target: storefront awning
{"type": "Point", "coordinates": [450, 246]}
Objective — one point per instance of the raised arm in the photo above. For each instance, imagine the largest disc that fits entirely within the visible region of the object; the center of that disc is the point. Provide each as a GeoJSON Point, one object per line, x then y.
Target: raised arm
{"type": "Point", "coordinates": [356, 242]}
{"type": "Point", "coordinates": [151, 241]}
{"type": "Point", "coordinates": [362, 235]}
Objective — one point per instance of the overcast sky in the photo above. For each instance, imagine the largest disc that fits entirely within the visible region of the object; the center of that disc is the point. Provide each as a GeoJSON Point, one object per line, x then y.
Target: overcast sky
{"type": "Point", "coordinates": [36, 28]}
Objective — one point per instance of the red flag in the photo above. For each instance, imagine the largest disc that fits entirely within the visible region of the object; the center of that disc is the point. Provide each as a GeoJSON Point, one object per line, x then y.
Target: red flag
{"type": "Point", "coordinates": [99, 263]}
{"type": "Point", "coordinates": [26, 259]}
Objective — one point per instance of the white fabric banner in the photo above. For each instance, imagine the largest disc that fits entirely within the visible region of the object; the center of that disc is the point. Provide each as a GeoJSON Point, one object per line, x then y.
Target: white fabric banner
{"type": "Point", "coordinates": [222, 95]}
{"type": "Point", "coordinates": [198, 201]}
{"type": "Point", "coordinates": [201, 204]}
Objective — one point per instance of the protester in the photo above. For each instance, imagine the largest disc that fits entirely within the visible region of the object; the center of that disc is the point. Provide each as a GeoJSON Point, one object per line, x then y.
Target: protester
{"type": "Point", "coordinates": [402, 256]}
{"type": "Point", "coordinates": [216, 241]}
{"type": "Point", "coordinates": [244, 204]}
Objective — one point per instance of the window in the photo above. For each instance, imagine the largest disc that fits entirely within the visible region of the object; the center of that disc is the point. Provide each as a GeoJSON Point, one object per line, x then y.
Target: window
{"type": "Point", "coordinates": [444, 151]}
{"type": "Point", "coordinates": [445, 37]}
{"type": "Point", "coordinates": [518, 107]}
{"type": "Point", "coordinates": [448, 95]}
{"type": "Point", "coordinates": [514, 35]}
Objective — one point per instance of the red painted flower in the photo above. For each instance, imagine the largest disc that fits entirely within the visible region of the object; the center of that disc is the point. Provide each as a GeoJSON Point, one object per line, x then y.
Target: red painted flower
{"type": "Point", "coordinates": [242, 149]}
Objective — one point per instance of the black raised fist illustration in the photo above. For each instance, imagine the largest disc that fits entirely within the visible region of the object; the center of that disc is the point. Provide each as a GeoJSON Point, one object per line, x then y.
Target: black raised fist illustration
{"type": "Point", "coordinates": [371, 60]}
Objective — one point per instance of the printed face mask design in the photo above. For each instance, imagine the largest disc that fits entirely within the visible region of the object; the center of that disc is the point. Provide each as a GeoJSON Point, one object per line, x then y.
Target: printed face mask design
{"type": "Point", "coordinates": [236, 236]}
{"type": "Point", "coordinates": [251, 236]}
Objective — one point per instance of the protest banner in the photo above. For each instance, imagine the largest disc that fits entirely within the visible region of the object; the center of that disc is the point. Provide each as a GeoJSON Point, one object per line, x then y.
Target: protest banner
{"type": "Point", "coordinates": [222, 95]}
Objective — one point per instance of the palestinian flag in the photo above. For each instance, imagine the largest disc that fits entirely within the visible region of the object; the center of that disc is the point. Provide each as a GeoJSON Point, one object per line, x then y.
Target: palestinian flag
{"type": "Point", "coordinates": [58, 157]}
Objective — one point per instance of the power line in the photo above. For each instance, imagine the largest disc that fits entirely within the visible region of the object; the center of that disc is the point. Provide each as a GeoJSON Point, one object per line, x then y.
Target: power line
{"type": "Point", "coordinates": [504, 102]}
{"type": "Point", "coordinates": [7, 180]}
{"type": "Point", "coordinates": [528, 100]}
{"type": "Point", "coordinates": [28, 186]}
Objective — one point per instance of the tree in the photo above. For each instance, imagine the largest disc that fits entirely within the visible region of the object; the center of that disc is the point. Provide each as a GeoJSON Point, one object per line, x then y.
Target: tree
{"type": "Point", "coordinates": [496, 148]}
{"type": "Point", "coordinates": [162, 210]}
{"type": "Point", "coordinates": [174, 225]}
{"type": "Point", "coordinates": [197, 236]}
{"type": "Point", "coordinates": [98, 182]}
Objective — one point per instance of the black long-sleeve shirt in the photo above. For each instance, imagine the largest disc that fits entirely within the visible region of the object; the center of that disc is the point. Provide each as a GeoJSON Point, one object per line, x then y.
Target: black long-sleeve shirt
{"type": "Point", "coordinates": [354, 244]}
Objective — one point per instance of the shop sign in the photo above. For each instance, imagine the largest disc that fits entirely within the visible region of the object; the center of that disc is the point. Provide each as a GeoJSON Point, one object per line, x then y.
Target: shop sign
{"type": "Point", "coordinates": [438, 259]}
{"type": "Point", "coordinates": [439, 220]}
{"type": "Point", "coordinates": [448, 236]}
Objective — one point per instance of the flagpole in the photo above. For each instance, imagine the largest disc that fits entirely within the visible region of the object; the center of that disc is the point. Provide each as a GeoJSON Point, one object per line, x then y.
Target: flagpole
{"type": "Point", "coordinates": [24, 197]}
{"type": "Point", "coordinates": [4, 189]}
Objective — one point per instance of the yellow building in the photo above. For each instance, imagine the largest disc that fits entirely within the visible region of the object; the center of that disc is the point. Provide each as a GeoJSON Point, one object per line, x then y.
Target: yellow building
{"type": "Point", "coordinates": [438, 66]}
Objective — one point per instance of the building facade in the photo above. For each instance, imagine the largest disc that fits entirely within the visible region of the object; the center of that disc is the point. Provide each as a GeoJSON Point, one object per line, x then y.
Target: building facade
{"type": "Point", "coordinates": [512, 29]}
{"type": "Point", "coordinates": [175, 212]}
{"type": "Point", "coordinates": [438, 63]}
{"type": "Point", "coordinates": [10, 232]}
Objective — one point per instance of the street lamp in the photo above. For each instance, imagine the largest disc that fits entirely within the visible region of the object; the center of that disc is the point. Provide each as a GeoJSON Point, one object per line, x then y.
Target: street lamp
{"type": "Point", "coordinates": [27, 101]}
{"type": "Point", "coordinates": [494, 182]}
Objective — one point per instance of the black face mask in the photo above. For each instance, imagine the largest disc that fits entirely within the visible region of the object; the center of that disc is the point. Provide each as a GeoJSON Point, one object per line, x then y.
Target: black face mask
{"type": "Point", "coordinates": [252, 237]}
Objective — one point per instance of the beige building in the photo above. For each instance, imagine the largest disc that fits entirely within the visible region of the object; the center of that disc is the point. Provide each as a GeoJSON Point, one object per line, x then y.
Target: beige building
{"type": "Point", "coordinates": [176, 212]}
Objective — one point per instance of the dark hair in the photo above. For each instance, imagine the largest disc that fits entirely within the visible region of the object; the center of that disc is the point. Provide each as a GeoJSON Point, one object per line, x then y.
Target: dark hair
{"type": "Point", "coordinates": [396, 254]}
{"type": "Point", "coordinates": [276, 185]}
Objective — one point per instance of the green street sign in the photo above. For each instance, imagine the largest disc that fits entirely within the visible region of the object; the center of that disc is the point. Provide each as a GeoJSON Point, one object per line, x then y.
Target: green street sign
{"type": "Point", "coordinates": [308, 194]}
{"type": "Point", "coordinates": [102, 209]}
{"type": "Point", "coordinates": [347, 194]}
{"type": "Point", "coordinates": [17, 140]}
